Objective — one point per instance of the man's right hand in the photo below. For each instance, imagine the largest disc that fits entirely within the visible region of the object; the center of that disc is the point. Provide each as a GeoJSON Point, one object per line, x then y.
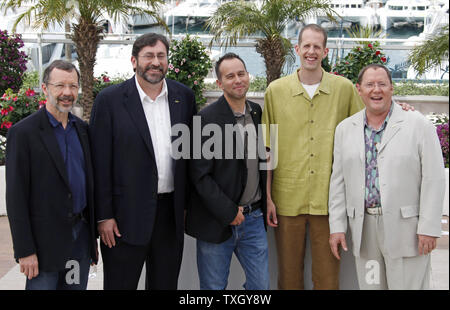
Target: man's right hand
{"type": "Point", "coordinates": [239, 217]}
{"type": "Point", "coordinates": [29, 266]}
{"type": "Point", "coordinates": [107, 229]}
{"type": "Point", "coordinates": [335, 240]}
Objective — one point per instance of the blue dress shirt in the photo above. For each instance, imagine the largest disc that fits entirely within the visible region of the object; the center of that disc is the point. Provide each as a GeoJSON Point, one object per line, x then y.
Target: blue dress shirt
{"type": "Point", "coordinates": [73, 157]}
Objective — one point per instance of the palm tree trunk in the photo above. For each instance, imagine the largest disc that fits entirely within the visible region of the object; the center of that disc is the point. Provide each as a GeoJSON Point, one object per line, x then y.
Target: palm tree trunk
{"type": "Point", "coordinates": [272, 50]}
{"type": "Point", "coordinates": [86, 36]}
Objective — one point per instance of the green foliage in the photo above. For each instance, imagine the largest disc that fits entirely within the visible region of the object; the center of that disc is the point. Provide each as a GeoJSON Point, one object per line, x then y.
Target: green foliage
{"type": "Point", "coordinates": [266, 19]}
{"type": "Point", "coordinates": [411, 88]}
{"type": "Point", "coordinates": [30, 80]}
{"type": "Point", "coordinates": [358, 58]}
{"type": "Point", "coordinates": [12, 61]}
{"type": "Point", "coordinates": [104, 81]}
{"type": "Point", "coordinates": [431, 52]}
{"type": "Point", "coordinates": [13, 108]}
{"type": "Point", "coordinates": [326, 64]}
{"type": "Point", "coordinates": [189, 63]}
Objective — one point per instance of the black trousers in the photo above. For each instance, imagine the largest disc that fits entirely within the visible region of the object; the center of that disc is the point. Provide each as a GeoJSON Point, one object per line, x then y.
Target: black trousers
{"type": "Point", "coordinates": [122, 264]}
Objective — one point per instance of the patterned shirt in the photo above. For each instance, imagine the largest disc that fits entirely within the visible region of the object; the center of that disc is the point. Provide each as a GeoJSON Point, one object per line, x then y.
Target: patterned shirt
{"type": "Point", "coordinates": [372, 138]}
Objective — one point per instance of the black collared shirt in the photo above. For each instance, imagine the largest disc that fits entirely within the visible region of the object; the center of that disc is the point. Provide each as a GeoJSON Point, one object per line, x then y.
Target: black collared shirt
{"type": "Point", "coordinates": [73, 157]}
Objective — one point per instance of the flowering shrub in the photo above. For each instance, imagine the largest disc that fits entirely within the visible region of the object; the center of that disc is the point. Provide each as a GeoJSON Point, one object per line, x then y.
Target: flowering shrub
{"type": "Point", "coordinates": [443, 134]}
{"type": "Point", "coordinates": [358, 58]}
{"type": "Point", "coordinates": [104, 81]}
{"type": "Point", "coordinates": [12, 62]}
{"type": "Point", "coordinates": [14, 107]}
{"type": "Point", "coordinates": [441, 123]}
{"type": "Point", "coordinates": [189, 64]}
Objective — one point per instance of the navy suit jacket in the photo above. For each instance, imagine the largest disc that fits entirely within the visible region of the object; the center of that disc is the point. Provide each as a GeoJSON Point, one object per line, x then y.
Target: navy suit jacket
{"type": "Point", "coordinates": [39, 201]}
{"type": "Point", "coordinates": [125, 171]}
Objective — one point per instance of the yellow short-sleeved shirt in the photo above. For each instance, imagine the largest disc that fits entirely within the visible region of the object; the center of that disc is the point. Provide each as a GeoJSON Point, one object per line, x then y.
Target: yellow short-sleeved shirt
{"type": "Point", "coordinates": [305, 139]}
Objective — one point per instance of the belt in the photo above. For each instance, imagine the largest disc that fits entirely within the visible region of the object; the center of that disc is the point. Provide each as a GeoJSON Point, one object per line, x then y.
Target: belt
{"type": "Point", "coordinates": [252, 207]}
{"type": "Point", "coordinates": [374, 210]}
{"type": "Point", "coordinates": [165, 195]}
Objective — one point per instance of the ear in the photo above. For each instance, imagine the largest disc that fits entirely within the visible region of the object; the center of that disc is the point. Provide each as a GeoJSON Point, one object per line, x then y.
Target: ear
{"type": "Point", "coordinates": [44, 89]}
{"type": "Point", "coordinates": [297, 49]}
{"type": "Point", "coordinates": [134, 62]}
{"type": "Point", "coordinates": [219, 84]}
{"type": "Point", "coordinates": [325, 52]}
{"type": "Point", "coordinates": [358, 87]}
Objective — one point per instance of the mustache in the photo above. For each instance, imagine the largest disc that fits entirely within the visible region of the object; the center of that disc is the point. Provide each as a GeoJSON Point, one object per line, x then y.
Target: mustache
{"type": "Point", "coordinates": [160, 68]}
{"type": "Point", "coordinates": [66, 97]}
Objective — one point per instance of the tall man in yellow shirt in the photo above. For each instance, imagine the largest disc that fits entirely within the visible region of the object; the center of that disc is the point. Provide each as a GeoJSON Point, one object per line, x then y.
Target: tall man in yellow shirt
{"type": "Point", "coordinates": [307, 106]}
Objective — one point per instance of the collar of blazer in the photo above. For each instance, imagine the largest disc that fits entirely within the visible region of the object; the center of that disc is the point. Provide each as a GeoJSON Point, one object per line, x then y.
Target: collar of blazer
{"type": "Point", "coordinates": [393, 126]}
{"type": "Point", "coordinates": [228, 115]}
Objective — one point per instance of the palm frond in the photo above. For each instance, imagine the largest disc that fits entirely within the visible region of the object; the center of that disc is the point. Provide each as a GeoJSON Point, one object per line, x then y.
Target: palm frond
{"type": "Point", "coordinates": [432, 52]}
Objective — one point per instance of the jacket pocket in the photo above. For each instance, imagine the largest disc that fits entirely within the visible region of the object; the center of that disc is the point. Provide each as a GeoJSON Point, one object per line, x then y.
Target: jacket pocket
{"type": "Point", "coordinates": [409, 211]}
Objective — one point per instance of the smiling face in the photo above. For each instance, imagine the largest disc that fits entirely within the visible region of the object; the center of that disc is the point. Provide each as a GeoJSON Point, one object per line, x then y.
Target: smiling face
{"type": "Point", "coordinates": [151, 63]}
{"type": "Point", "coordinates": [234, 79]}
{"type": "Point", "coordinates": [61, 91]}
{"type": "Point", "coordinates": [376, 91]}
{"type": "Point", "coordinates": [311, 50]}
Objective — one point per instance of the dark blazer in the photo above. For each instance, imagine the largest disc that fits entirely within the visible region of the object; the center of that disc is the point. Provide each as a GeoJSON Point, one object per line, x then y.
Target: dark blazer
{"type": "Point", "coordinates": [38, 195]}
{"type": "Point", "coordinates": [219, 183]}
{"type": "Point", "coordinates": [126, 176]}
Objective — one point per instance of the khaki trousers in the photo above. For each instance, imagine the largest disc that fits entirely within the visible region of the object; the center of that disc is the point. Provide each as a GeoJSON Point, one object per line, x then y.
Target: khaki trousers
{"type": "Point", "coordinates": [377, 271]}
{"type": "Point", "coordinates": [290, 236]}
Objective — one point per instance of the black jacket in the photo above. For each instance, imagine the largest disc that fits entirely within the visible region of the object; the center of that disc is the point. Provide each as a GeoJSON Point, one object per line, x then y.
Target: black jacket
{"type": "Point", "coordinates": [219, 183]}
{"type": "Point", "coordinates": [126, 177]}
{"type": "Point", "coordinates": [38, 195]}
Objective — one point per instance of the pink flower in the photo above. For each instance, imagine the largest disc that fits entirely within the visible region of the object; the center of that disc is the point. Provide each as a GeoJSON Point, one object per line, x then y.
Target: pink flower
{"type": "Point", "coordinates": [30, 92]}
{"type": "Point", "coordinates": [15, 99]}
{"type": "Point", "coordinates": [189, 76]}
{"type": "Point", "coordinates": [106, 79]}
{"type": "Point", "coordinates": [195, 82]}
{"type": "Point", "coordinates": [370, 45]}
{"type": "Point", "coordinates": [170, 66]}
{"type": "Point", "coordinates": [177, 70]}
{"type": "Point", "coordinates": [6, 125]}
{"type": "Point", "coordinates": [383, 59]}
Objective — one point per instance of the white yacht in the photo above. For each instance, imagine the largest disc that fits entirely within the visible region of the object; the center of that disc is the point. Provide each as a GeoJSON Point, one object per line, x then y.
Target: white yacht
{"type": "Point", "coordinates": [349, 12]}
{"type": "Point", "coordinates": [399, 13]}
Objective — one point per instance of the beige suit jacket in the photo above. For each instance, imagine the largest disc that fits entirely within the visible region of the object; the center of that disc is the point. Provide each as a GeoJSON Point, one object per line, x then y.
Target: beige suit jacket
{"type": "Point", "coordinates": [411, 176]}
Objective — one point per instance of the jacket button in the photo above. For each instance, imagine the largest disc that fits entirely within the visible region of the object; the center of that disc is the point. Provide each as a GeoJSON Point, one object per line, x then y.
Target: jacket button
{"type": "Point", "coordinates": [69, 195]}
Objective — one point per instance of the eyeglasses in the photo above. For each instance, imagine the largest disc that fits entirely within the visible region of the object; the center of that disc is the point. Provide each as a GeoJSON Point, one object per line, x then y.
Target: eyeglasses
{"type": "Point", "coordinates": [59, 87]}
{"type": "Point", "coordinates": [372, 85]}
{"type": "Point", "coordinates": [149, 57]}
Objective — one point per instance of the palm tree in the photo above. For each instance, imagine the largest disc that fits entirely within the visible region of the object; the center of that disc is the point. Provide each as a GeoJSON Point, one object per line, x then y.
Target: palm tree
{"type": "Point", "coordinates": [86, 30]}
{"type": "Point", "coordinates": [237, 19]}
{"type": "Point", "coordinates": [430, 53]}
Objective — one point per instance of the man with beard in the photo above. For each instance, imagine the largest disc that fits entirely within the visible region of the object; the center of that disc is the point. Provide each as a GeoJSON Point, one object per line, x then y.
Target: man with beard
{"type": "Point", "coordinates": [49, 188]}
{"type": "Point", "coordinates": [140, 189]}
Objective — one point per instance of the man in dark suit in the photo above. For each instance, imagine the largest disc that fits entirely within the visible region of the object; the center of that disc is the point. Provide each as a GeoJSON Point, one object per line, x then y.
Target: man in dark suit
{"type": "Point", "coordinates": [228, 208]}
{"type": "Point", "coordinates": [49, 188]}
{"type": "Point", "coordinates": [141, 190]}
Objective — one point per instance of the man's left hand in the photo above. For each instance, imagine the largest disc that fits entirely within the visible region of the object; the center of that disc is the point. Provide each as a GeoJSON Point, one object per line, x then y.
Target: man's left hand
{"type": "Point", "coordinates": [426, 244]}
{"type": "Point", "coordinates": [406, 106]}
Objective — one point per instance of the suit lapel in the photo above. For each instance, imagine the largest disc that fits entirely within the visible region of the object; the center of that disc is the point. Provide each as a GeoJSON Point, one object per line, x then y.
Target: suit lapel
{"type": "Point", "coordinates": [175, 105]}
{"type": "Point", "coordinates": [49, 140]}
{"type": "Point", "coordinates": [358, 122]}
{"type": "Point", "coordinates": [393, 126]}
{"type": "Point", "coordinates": [134, 107]}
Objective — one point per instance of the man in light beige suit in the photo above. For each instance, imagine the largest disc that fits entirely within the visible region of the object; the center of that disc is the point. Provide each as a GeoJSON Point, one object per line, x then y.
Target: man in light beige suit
{"type": "Point", "coordinates": [388, 184]}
